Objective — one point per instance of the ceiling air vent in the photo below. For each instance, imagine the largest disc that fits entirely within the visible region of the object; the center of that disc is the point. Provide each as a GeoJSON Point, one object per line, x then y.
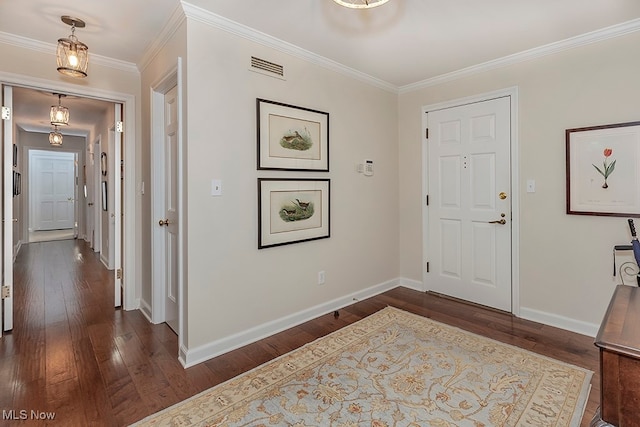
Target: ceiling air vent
{"type": "Point", "coordinates": [268, 68]}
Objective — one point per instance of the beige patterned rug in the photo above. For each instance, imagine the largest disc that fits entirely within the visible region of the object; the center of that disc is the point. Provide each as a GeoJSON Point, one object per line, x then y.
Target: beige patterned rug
{"type": "Point", "coordinates": [394, 368]}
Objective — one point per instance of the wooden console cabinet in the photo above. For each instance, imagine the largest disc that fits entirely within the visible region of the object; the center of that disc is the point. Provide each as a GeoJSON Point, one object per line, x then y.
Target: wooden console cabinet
{"type": "Point", "coordinates": [619, 342]}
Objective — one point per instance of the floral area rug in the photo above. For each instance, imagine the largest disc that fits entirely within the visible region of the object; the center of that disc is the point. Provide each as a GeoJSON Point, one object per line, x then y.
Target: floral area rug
{"type": "Point", "coordinates": [394, 368]}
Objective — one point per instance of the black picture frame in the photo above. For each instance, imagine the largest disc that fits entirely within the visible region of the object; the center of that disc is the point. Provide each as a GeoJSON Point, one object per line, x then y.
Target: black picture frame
{"type": "Point", "coordinates": [104, 196]}
{"type": "Point", "coordinates": [293, 210]}
{"type": "Point", "coordinates": [15, 156]}
{"type": "Point", "coordinates": [601, 165]}
{"type": "Point", "coordinates": [291, 137]}
{"type": "Point", "coordinates": [103, 163]}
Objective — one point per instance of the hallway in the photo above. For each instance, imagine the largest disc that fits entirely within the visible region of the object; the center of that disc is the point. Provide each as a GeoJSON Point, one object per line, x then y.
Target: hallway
{"type": "Point", "coordinates": [71, 353]}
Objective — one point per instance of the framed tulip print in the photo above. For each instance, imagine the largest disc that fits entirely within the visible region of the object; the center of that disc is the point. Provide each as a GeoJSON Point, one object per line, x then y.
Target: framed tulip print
{"type": "Point", "coordinates": [292, 138]}
{"type": "Point", "coordinates": [292, 210]}
{"type": "Point", "coordinates": [603, 173]}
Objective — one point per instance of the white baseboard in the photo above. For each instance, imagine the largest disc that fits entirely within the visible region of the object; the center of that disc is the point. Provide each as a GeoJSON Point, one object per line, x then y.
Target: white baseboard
{"type": "Point", "coordinates": [562, 322]}
{"type": "Point", "coordinates": [193, 356]}
{"type": "Point", "coordinates": [145, 308]}
{"type": "Point", "coordinates": [190, 357]}
{"type": "Point", "coordinates": [411, 284]}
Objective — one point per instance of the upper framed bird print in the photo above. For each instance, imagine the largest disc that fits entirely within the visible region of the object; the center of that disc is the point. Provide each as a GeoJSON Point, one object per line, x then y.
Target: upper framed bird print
{"type": "Point", "coordinates": [292, 138]}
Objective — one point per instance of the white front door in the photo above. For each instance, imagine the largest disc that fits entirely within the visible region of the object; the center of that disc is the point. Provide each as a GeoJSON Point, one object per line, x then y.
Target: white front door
{"type": "Point", "coordinates": [469, 202]}
{"type": "Point", "coordinates": [171, 207]}
{"type": "Point", "coordinates": [53, 190]}
{"type": "Point", "coordinates": [7, 212]}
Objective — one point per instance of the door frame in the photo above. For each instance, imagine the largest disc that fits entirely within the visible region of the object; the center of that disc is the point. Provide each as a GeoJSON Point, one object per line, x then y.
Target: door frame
{"type": "Point", "coordinates": [512, 93]}
{"type": "Point", "coordinates": [132, 247]}
{"type": "Point", "coordinates": [157, 310]}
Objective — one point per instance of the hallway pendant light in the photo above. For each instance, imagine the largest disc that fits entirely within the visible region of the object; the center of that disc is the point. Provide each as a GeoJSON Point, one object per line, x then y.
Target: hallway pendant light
{"type": "Point", "coordinates": [55, 137]}
{"type": "Point", "coordinates": [59, 115]}
{"type": "Point", "coordinates": [360, 4]}
{"type": "Point", "coordinates": [72, 54]}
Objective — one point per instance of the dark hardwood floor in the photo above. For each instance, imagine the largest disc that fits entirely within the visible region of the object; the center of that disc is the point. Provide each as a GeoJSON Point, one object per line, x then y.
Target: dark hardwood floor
{"type": "Point", "coordinates": [71, 353]}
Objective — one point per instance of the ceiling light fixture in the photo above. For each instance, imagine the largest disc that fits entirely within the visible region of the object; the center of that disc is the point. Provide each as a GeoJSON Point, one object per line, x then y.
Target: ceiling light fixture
{"type": "Point", "coordinates": [59, 115]}
{"type": "Point", "coordinates": [55, 137]}
{"type": "Point", "coordinates": [360, 4]}
{"type": "Point", "coordinates": [72, 54]}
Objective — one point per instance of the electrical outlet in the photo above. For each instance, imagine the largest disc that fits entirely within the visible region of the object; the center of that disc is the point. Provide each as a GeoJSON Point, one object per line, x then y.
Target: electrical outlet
{"type": "Point", "coordinates": [321, 277]}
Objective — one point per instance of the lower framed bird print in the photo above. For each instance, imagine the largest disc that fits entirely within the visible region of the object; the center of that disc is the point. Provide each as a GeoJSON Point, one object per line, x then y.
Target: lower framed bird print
{"type": "Point", "coordinates": [292, 211]}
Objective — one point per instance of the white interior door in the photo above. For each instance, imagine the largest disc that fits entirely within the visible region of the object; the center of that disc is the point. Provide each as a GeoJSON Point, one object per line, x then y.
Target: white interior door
{"type": "Point", "coordinates": [7, 212]}
{"type": "Point", "coordinates": [469, 210]}
{"type": "Point", "coordinates": [171, 206]}
{"type": "Point", "coordinates": [53, 190]}
{"type": "Point", "coordinates": [116, 214]}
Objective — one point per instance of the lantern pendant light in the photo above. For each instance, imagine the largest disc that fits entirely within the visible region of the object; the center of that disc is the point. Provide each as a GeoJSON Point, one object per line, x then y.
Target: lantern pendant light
{"type": "Point", "coordinates": [360, 4]}
{"type": "Point", "coordinates": [55, 137]}
{"type": "Point", "coordinates": [72, 54]}
{"type": "Point", "coordinates": [59, 115]}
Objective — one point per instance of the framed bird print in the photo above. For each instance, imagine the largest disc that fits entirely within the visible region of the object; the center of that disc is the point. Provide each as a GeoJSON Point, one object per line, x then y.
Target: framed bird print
{"type": "Point", "coordinates": [292, 138]}
{"type": "Point", "coordinates": [602, 170]}
{"type": "Point", "coordinates": [292, 211]}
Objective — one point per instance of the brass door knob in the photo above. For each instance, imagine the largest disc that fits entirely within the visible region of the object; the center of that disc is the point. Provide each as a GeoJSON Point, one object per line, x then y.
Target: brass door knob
{"type": "Point", "coordinates": [502, 222]}
{"type": "Point", "coordinates": [502, 195]}
{"type": "Point", "coordinates": [163, 222]}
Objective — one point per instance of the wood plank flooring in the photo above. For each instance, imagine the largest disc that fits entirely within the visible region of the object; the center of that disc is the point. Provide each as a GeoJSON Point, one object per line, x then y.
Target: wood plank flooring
{"type": "Point", "coordinates": [72, 354]}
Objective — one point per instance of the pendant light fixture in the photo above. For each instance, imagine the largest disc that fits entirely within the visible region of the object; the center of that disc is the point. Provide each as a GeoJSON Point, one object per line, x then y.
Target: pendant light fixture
{"type": "Point", "coordinates": [360, 4]}
{"type": "Point", "coordinates": [59, 115]}
{"type": "Point", "coordinates": [55, 137]}
{"type": "Point", "coordinates": [72, 54]}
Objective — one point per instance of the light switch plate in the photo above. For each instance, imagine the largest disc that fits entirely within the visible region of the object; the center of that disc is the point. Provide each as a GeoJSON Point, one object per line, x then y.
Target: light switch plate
{"type": "Point", "coordinates": [216, 187]}
{"type": "Point", "coordinates": [531, 186]}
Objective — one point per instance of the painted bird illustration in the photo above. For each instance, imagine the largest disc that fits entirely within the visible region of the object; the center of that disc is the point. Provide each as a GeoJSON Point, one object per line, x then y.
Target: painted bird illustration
{"type": "Point", "coordinates": [303, 205]}
{"type": "Point", "coordinates": [289, 211]}
{"type": "Point", "coordinates": [291, 138]}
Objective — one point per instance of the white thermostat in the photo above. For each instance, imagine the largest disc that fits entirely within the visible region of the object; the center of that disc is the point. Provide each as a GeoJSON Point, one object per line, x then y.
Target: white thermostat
{"type": "Point", "coordinates": [368, 167]}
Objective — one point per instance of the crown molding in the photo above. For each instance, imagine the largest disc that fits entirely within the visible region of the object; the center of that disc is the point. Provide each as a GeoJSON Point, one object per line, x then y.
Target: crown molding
{"type": "Point", "coordinates": [169, 29]}
{"type": "Point", "coordinates": [50, 48]}
{"type": "Point", "coordinates": [527, 55]}
{"type": "Point", "coordinates": [201, 15]}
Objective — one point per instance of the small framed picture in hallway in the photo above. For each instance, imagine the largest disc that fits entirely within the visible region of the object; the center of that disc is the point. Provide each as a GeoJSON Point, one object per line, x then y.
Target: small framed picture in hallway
{"type": "Point", "coordinates": [104, 196]}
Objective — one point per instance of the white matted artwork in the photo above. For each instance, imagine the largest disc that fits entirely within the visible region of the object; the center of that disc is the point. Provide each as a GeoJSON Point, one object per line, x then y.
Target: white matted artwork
{"type": "Point", "coordinates": [292, 210]}
{"type": "Point", "coordinates": [292, 138]}
{"type": "Point", "coordinates": [603, 177]}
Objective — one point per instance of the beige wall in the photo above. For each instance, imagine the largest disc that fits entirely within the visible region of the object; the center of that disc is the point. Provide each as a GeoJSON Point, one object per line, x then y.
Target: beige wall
{"type": "Point", "coordinates": [565, 260]}
{"type": "Point", "coordinates": [232, 285]}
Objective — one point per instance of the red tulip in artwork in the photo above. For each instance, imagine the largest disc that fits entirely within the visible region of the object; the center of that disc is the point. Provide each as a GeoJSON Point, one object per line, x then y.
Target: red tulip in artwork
{"type": "Point", "coordinates": [607, 167]}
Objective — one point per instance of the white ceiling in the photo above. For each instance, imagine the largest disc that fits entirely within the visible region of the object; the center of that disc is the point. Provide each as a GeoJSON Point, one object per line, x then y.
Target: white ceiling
{"type": "Point", "coordinates": [399, 43]}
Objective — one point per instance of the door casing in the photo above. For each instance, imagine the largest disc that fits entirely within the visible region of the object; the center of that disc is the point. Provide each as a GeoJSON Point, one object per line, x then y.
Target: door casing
{"type": "Point", "coordinates": [131, 221]}
{"type": "Point", "coordinates": [512, 93]}
{"type": "Point", "coordinates": [157, 311]}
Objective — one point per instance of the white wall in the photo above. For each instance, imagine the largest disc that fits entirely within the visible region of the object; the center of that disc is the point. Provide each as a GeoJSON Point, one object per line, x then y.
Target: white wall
{"type": "Point", "coordinates": [566, 260]}
{"type": "Point", "coordinates": [233, 286]}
